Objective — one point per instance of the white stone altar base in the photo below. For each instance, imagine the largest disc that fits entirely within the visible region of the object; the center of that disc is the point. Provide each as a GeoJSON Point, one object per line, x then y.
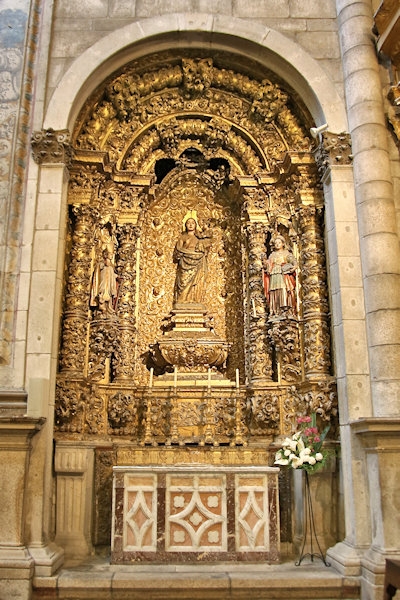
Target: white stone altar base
{"type": "Point", "coordinates": [195, 513]}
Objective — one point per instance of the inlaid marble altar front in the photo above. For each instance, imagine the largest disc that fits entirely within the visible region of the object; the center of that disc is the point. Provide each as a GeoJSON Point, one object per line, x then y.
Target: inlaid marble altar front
{"type": "Point", "coordinates": [195, 513]}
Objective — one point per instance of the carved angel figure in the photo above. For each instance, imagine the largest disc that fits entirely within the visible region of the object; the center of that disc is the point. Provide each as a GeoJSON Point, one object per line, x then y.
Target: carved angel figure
{"type": "Point", "coordinates": [280, 278]}
{"type": "Point", "coordinates": [190, 254]}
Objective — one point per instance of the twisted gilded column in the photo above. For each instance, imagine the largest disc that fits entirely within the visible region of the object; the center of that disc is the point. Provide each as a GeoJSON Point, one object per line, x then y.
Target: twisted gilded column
{"type": "Point", "coordinates": [73, 350]}
{"type": "Point", "coordinates": [258, 356]}
{"type": "Point", "coordinates": [125, 346]}
{"type": "Point", "coordinates": [317, 361]}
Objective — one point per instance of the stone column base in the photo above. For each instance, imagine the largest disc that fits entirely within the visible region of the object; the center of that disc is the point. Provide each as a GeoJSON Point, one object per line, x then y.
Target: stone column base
{"type": "Point", "coordinates": [345, 559]}
{"type": "Point", "coordinates": [48, 559]}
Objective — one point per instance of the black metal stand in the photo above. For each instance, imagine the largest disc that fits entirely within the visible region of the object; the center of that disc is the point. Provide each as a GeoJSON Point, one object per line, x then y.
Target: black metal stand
{"type": "Point", "coordinates": [309, 529]}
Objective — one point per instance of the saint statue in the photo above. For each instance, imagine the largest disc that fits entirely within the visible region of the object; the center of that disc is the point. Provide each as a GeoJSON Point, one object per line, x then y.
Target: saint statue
{"type": "Point", "coordinates": [190, 254]}
{"type": "Point", "coordinates": [105, 238]}
{"type": "Point", "coordinates": [104, 289]}
{"type": "Point", "coordinates": [280, 279]}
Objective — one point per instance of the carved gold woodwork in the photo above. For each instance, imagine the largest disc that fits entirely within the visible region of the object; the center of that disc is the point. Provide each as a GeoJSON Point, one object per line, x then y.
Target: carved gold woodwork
{"type": "Point", "coordinates": [387, 26]}
{"type": "Point", "coordinates": [315, 294]}
{"type": "Point", "coordinates": [191, 455]}
{"type": "Point", "coordinates": [163, 137]}
{"type": "Point", "coordinates": [394, 110]}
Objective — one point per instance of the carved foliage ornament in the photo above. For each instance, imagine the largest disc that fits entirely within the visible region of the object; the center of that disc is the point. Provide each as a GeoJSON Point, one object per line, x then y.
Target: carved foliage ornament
{"type": "Point", "coordinates": [49, 146]}
{"type": "Point", "coordinates": [334, 149]}
{"type": "Point", "coordinates": [196, 85]}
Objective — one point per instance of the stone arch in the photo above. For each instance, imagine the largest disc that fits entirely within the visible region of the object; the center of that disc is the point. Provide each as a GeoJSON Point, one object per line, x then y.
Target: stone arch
{"type": "Point", "coordinates": [77, 406]}
{"type": "Point", "coordinates": [280, 54]}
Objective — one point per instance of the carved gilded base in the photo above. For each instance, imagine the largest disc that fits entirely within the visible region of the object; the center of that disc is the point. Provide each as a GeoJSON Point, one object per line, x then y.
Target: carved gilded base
{"type": "Point", "coordinates": [190, 455]}
{"type": "Point", "coordinates": [194, 415]}
{"type": "Point", "coordinates": [190, 342]}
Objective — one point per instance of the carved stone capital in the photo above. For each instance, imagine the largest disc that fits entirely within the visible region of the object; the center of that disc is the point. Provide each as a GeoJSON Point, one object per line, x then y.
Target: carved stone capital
{"type": "Point", "coordinates": [52, 147]}
{"type": "Point", "coordinates": [334, 149]}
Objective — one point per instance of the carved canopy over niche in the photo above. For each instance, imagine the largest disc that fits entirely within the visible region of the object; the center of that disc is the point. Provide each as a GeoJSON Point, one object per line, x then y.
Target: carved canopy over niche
{"type": "Point", "coordinates": [163, 136]}
{"type": "Point", "coordinates": [159, 110]}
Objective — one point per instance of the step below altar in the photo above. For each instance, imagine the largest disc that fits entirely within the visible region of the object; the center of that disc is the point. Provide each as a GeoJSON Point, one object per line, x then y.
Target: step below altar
{"type": "Point", "coordinates": [195, 513]}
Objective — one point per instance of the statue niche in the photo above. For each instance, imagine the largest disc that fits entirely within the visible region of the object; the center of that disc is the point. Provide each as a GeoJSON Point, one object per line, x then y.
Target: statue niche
{"type": "Point", "coordinates": [189, 341]}
{"type": "Point", "coordinates": [279, 278]}
{"type": "Point", "coordinates": [190, 255]}
{"type": "Point", "coordinates": [104, 283]}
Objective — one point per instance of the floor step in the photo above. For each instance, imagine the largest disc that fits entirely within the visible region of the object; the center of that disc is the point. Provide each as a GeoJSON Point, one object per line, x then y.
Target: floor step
{"type": "Point", "coordinates": [98, 580]}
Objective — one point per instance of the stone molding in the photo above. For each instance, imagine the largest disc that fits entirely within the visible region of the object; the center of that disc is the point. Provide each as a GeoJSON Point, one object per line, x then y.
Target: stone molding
{"type": "Point", "coordinates": [16, 431]}
{"type": "Point", "coordinates": [379, 434]}
{"type": "Point", "coordinates": [15, 434]}
{"type": "Point", "coordinates": [13, 402]}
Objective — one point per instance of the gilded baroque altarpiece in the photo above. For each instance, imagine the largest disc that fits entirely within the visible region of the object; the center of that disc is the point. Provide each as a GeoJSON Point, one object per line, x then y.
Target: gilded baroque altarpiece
{"type": "Point", "coordinates": [165, 141]}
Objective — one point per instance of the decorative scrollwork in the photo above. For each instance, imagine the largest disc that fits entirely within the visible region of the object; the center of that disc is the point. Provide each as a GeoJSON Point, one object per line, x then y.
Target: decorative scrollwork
{"type": "Point", "coordinates": [94, 413]}
{"type": "Point", "coordinates": [197, 76]}
{"type": "Point", "coordinates": [70, 406]}
{"type": "Point", "coordinates": [50, 146]}
{"type": "Point", "coordinates": [265, 413]}
{"type": "Point", "coordinates": [160, 139]}
{"type": "Point", "coordinates": [102, 343]}
{"type": "Point", "coordinates": [284, 336]}
{"type": "Point", "coordinates": [269, 101]}
{"type": "Point", "coordinates": [122, 414]}
{"type": "Point", "coordinates": [319, 398]}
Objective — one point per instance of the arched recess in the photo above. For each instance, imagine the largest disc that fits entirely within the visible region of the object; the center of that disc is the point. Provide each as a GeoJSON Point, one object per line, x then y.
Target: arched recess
{"type": "Point", "coordinates": [248, 39]}
{"type": "Point", "coordinates": [218, 131]}
{"type": "Point", "coordinates": [183, 130]}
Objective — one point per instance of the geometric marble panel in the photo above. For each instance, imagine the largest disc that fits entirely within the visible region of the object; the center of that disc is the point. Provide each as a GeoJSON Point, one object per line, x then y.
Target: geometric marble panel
{"type": "Point", "coordinates": [251, 513]}
{"type": "Point", "coordinates": [140, 522]}
{"type": "Point", "coordinates": [196, 513]}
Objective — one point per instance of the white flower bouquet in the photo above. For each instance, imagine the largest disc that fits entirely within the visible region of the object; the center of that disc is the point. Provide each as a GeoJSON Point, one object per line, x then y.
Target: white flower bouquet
{"type": "Point", "coordinates": [304, 449]}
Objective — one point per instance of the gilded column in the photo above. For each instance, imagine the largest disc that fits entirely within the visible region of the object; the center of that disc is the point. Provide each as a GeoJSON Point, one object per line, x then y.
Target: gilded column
{"type": "Point", "coordinates": [124, 366]}
{"type": "Point", "coordinates": [73, 350]}
{"type": "Point", "coordinates": [258, 356]}
{"type": "Point", "coordinates": [315, 307]}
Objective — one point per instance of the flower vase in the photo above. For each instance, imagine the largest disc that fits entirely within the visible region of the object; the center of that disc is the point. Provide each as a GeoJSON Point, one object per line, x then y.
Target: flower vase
{"type": "Point", "coordinates": [309, 534]}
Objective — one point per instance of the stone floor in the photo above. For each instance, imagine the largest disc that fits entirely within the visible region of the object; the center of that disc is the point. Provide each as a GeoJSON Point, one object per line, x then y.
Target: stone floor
{"type": "Point", "coordinates": [98, 580]}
